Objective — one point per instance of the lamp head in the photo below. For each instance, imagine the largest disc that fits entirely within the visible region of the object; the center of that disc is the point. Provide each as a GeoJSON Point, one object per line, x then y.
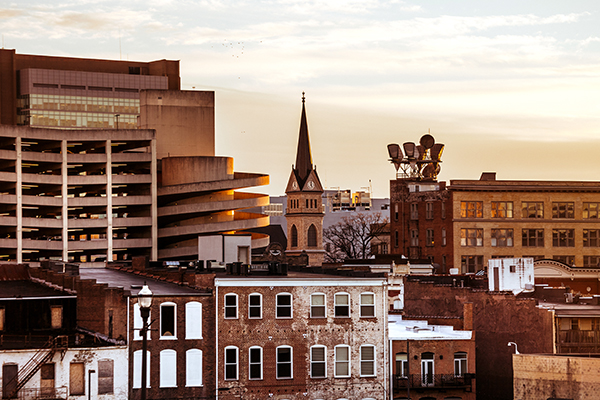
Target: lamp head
{"type": "Point", "coordinates": [145, 297]}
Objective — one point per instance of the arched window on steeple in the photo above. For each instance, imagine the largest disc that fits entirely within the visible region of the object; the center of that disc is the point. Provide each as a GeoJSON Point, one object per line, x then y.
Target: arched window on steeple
{"type": "Point", "coordinates": [294, 236]}
{"type": "Point", "coordinates": [312, 236]}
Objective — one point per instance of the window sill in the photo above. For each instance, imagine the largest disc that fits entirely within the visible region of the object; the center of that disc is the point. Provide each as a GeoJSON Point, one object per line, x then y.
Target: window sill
{"type": "Point", "coordinates": [194, 338]}
{"type": "Point", "coordinates": [194, 385]}
{"type": "Point", "coordinates": [168, 338]}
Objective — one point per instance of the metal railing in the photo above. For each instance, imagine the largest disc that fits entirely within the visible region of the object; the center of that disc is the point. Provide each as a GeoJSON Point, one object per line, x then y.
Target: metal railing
{"type": "Point", "coordinates": [433, 381]}
{"type": "Point", "coordinates": [50, 393]}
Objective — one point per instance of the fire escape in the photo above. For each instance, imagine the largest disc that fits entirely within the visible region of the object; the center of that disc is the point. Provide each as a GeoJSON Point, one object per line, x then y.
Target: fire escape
{"type": "Point", "coordinates": [42, 356]}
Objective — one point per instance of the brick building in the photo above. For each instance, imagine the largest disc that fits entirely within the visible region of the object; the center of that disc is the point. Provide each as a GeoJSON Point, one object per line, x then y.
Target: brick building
{"type": "Point", "coordinates": [302, 336]}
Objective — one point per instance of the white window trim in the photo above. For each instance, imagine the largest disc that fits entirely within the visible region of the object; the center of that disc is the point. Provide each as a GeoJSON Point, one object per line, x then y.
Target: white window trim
{"type": "Point", "coordinates": [260, 306]}
{"type": "Point", "coordinates": [237, 363]}
{"type": "Point", "coordinates": [137, 369]}
{"type": "Point", "coordinates": [324, 304]}
{"type": "Point", "coordinates": [368, 305]}
{"type": "Point", "coordinates": [335, 360]}
{"type": "Point", "coordinates": [311, 361]}
{"type": "Point", "coordinates": [291, 305]}
{"type": "Point", "coordinates": [189, 321]}
{"type": "Point", "coordinates": [225, 306]}
{"type": "Point", "coordinates": [348, 305]}
{"type": "Point", "coordinates": [165, 371]}
{"type": "Point", "coordinates": [374, 360]}
{"type": "Point", "coordinates": [291, 362]}
{"type": "Point", "coordinates": [250, 364]}
{"type": "Point", "coordinates": [138, 323]}
{"type": "Point", "coordinates": [174, 337]}
{"type": "Point", "coordinates": [188, 376]}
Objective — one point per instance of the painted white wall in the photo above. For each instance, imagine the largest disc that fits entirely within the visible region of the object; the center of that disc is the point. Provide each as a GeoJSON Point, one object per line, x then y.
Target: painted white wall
{"type": "Point", "coordinates": [90, 357]}
{"type": "Point", "coordinates": [520, 279]}
{"type": "Point", "coordinates": [211, 247]}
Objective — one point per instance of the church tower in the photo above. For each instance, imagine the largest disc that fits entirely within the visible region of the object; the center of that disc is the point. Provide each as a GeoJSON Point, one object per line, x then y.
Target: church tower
{"type": "Point", "coordinates": [304, 213]}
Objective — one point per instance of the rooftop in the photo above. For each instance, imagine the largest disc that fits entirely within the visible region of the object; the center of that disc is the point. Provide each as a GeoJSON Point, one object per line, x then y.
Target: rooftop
{"type": "Point", "coordinates": [399, 329]}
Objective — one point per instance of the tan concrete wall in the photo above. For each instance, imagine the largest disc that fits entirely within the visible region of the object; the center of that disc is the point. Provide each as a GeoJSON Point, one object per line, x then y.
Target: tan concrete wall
{"type": "Point", "coordinates": [544, 376]}
{"type": "Point", "coordinates": [182, 170]}
{"type": "Point", "coordinates": [184, 121]}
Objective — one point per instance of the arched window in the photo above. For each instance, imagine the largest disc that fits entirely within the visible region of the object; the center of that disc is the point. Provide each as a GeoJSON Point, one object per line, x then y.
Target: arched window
{"type": "Point", "coordinates": [312, 236]}
{"type": "Point", "coordinates": [294, 236]}
{"type": "Point", "coordinates": [168, 368]}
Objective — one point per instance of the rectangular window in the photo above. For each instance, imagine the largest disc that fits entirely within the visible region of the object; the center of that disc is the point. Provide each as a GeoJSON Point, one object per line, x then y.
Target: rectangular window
{"type": "Point", "coordinates": [342, 305]}
{"type": "Point", "coordinates": [77, 379]}
{"type": "Point", "coordinates": [284, 306]}
{"type": "Point", "coordinates": [414, 210]}
{"type": "Point", "coordinates": [2, 318]}
{"type": "Point", "coordinates": [367, 360]}
{"type": "Point", "coordinates": [471, 209]}
{"type": "Point", "coordinates": [402, 365]}
{"type": "Point", "coordinates": [47, 380]}
{"type": "Point", "coordinates": [591, 261]}
{"type": "Point", "coordinates": [395, 211]}
{"type": "Point", "coordinates": [105, 376]}
{"type": "Point", "coordinates": [590, 210]}
{"type": "Point", "coordinates": [532, 238]}
{"type": "Point", "coordinates": [502, 237]}
{"type": "Point", "coordinates": [502, 209]}
{"type": "Point", "coordinates": [443, 236]}
{"type": "Point", "coordinates": [471, 264]}
{"type": "Point", "coordinates": [367, 305]}
{"type": "Point", "coordinates": [590, 238]}
{"type": "Point", "coordinates": [317, 306]}
{"type": "Point", "coordinates": [429, 210]}
{"type": "Point", "coordinates": [443, 210]}
{"type": "Point", "coordinates": [471, 237]}
{"type": "Point", "coordinates": [414, 237]}
{"type": "Point", "coordinates": [429, 237]}
{"type": "Point", "coordinates": [563, 210]}
{"type": "Point", "coordinates": [284, 362]}
{"type": "Point", "coordinates": [193, 320]}
{"type": "Point", "coordinates": [57, 316]}
{"type": "Point", "coordinates": [255, 360]}
{"type": "Point", "coordinates": [231, 306]}
{"type": "Point", "coordinates": [167, 321]}
{"type": "Point", "coordinates": [569, 260]}
{"type": "Point", "coordinates": [460, 363]}
{"type": "Point", "coordinates": [563, 237]}
{"type": "Point", "coordinates": [342, 362]}
{"type": "Point", "coordinates": [255, 306]}
{"type": "Point", "coordinates": [231, 363]}
{"type": "Point", "coordinates": [318, 365]}
{"type": "Point", "coordinates": [396, 238]}
{"type": "Point", "coordinates": [533, 209]}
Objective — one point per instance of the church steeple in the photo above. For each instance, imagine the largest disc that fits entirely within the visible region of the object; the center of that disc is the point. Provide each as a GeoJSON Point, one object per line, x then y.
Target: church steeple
{"type": "Point", "coordinates": [304, 164]}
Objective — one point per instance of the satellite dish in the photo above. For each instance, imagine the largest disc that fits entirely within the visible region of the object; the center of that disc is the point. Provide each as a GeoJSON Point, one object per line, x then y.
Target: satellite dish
{"type": "Point", "coordinates": [409, 149]}
{"type": "Point", "coordinates": [427, 141]}
{"type": "Point", "coordinates": [394, 151]}
{"type": "Point", "coordinates": [436, 151]}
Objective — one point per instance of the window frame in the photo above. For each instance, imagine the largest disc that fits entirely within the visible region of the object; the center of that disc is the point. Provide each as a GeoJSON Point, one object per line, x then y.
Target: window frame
{"type": "Point", "coordinates": [282, 306]}
{"type": "Point", "coordinates": [190, 368]}
{"type": "Point", "coordinates": [527, 238]}
{"type": "Point", "coordinates": [323, 362]}
{"type": "Point", "coordinates": [563, 210]}
{"type": "Point", "coordinates": [365, 305]}
{"type": "Point", "coordinates": [251, 363]}
{"type": "Point", "coordinates": [336, 305]}
{"type": "Point", "coordinates": [591, 238]}
{"type": "Point", "coordinates": [323, 306]}
{"type": "Point", "coordinates": [279, 363]}
{"type": "Point", "coordinates": [502, 209]}
{"type": "Point", "coordinates": [254, 307]}
{"type": "Point", "coordinates": [429, 237]}
{"type": "Point", "coordinates": [471, 209]}
{"type": "Point", "coordinates": [168, 371]}
{"type": "Point", "coordinates": [230, 307]}
{"type": "Point", "coordinates": [503, 237]}
{"type": "Point", "coordinates": [193, 320]}
{"type": "Point", "coordinates": [589, 211]}
{"type": "Point", "coordinates": [372, 361]}
{"type": "Point", "coordinates": [429, 210]}
{"type": "Point", "coordinates": [236, 351]}
{"type": "Point", "coordinates": [471, 235]}
{"type": "Point", "coordinates": [563, 237]}
{"type": "Point", "coordinates": [168, 304]}
{"type": "Point", "coordinates": [340, 362]}
{"type": "Point", "coordinates": [532, 209]}
{"type": "Point", "coordinates": [458, 372]}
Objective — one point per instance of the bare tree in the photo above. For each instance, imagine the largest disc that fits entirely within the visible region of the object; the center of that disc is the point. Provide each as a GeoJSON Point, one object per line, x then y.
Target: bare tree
{"type": "Point", "coordinates": [351, 237]}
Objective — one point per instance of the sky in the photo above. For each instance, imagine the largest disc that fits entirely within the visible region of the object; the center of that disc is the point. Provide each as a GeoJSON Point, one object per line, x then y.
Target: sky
{"type": "Point", "coordinates": [508, 86]}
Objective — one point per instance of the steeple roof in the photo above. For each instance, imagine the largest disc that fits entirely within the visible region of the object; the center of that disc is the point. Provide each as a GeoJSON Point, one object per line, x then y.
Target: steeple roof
{"type": "Point", "coordinates": [304, 164]}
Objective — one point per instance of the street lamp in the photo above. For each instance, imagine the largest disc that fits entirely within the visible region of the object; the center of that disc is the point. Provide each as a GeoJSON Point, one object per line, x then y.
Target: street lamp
{"type": "Point", "coordinates": [145, 302]}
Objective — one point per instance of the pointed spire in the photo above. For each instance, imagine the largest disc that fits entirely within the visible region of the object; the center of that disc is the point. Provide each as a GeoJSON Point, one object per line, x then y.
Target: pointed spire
{"type": "Point", "coordinates": [303, 165]}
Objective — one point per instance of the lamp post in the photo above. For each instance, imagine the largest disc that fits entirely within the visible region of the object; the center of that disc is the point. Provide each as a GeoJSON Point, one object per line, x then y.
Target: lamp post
{"type": "Point", "coordinates": [145, 302]}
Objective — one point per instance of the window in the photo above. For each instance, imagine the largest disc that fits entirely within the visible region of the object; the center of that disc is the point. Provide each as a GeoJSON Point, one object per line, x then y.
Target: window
{"type": "Point", "coordinates": [533, 238]}
{"type": "Point", "coordinates": [294, 236]}
{"type": "Point", "coordinates": [47, 379]}
{"type": "Point", "coordinates": [105, 376]}
{"type": "Point", "coordinates": [193, 320]}
{"type": "Point", "coordinates": [590, 210]}
{"type": "Point", "coordinates": [77, 379]}
{"type": "Point", "coordinates": [414, 210]}
{"type": "Point", "coordinates": [342, 305]}
{"type": "Point", "coordinates": [318, 363]}
{"type": "Point", "coordinates": [429, 210]}
{"type": "Point", "coordinates": [2, 318]}
{"type": "Point", "coordinates": [312, 236]}
{"type": "Point", "coordinates": [284, 305]}
{"type": "Point", "coordinates": [502, 209]}
{"type": "Point", "coordinates": [591, 261]}
{"type": "Point", "coordinates": [471, 237]}
{"type": "Point", "coordinates": [414, 237]}
{"type": "Point", "coordinates": [231, 302]}
{"type": "Point", "coordinates": [502, 237]}
{"type": "Point", "coordinates": [284, 362]}
{"type": "Point", "coordinates": [443, 236]}
{"type": "Point", "coordinates": [137, 369]}
{"type": "Point", "coordinates": [138, 323]}
{"type": "Point", "coordinates": [471, 209]}
{"type": "Point", "coordinates": [317, 305]}
{"type": "Point", "coordinates": [590, 238]}
{"type": "Point", "coordinates": [563, 237]}
{"type": "Point", "coordinates": [569, 260]}
{"type": "Point", "coordinates": [563, 210]}
{"type": "Point", "coordinates": [429, 237]}
{"type": "Point", "coordinates": [168, 368]}
{"type": "Point", "coordinates": [533, 209]}
{"type": "Point", "coordinates": [367, 304]}
{"type": "Point", "coordinates": [471, 264]}
{"type": "Point", "coordinates": [231, 363]}
{"type": "Point", "coordinates": [193, 368]}
{"type": "Point", "coordinates": [255, 360]}
{"type": "Point", "coordinates": [395, 211]}
{"type": "Point", "coordinates": [460, 363]}
{"type": "Point", "coordinates": [443, 210]}
{"type": "Point", "coordinates": [255, 305]}
{"type": "Point", "coordinates": [168, 321]}
{"type": "Point", "coordinates": [427, 369]}
{"type": "Point", "coordinates": [56, 316]}
{"type": "Point", "coordinates": [402, 365]}
{"type": "Point", "coordinates": [367, 360]}
{"type": "Point", "coordinates": [342, 362]}
{"type": "Point", "coordinates": [396, 238]}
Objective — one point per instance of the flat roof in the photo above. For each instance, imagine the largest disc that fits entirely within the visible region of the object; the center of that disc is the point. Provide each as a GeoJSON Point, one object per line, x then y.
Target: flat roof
{"type": "Point", "coordinates": [399, 329]}
{"type": "Point", "coordinates": [133, 283]}
{"type": "Point", "coordinates": [29, 290]}
{"type": "Point", "coordinates": [297, 278]}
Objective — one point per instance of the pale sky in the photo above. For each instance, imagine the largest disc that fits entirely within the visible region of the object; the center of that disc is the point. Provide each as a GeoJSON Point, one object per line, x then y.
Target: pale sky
{"type": "Point", "coordinates": [509, 86]}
